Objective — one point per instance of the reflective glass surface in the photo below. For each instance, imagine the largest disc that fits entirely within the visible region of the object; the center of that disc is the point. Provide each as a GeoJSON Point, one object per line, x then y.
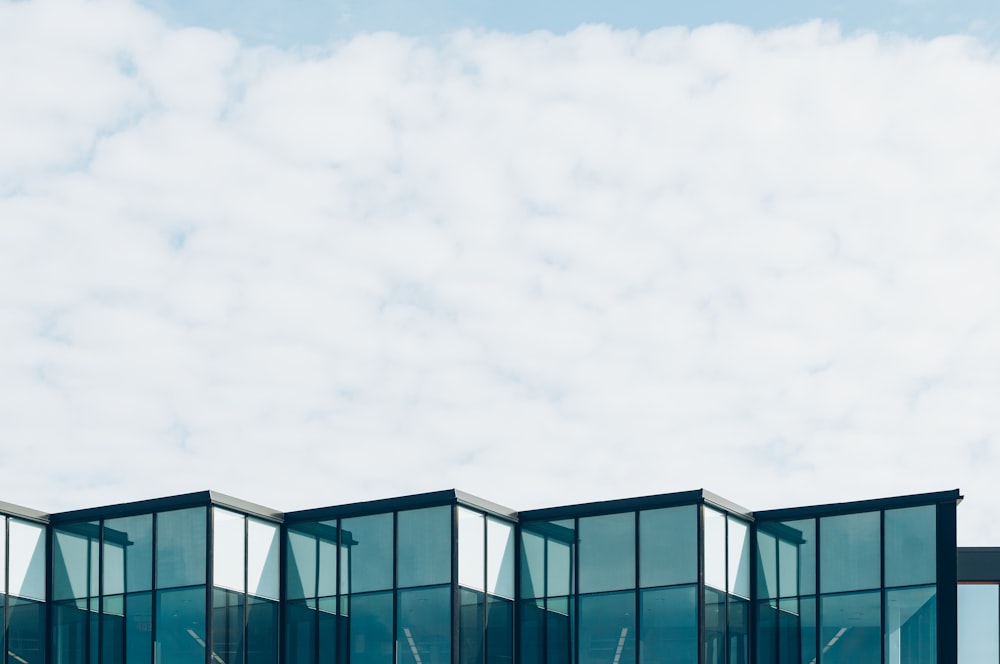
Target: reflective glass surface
{"type": "Point", "coordinates": [128, 554]}
{"type": "Point", "coordinates": [423, 554]}
{"type": "Point", "coordinates": [301, 566]}
{"type": "Point", "coordinates": [369, 539]}
{"type": "Point", "coordinates": [911, 626]}
{"type": "Point", "coordinates": [803, 617]}
{"type": "Point", "coordinates": [715, 627]}
{"type": "Point", "coordinates": [471, 549]}
{"type": "Point", "coordinates": [227, 624]}
{"type": "Point", "coordinates": [262, 632]}
{"type": "Point", "coordinates": [499, 557]}
{"type": "Point", "coordinates": [113, 630]}
{"type": "Point", "coordinates": [499, 630]}
{"type": "Point", "coordinates": [25, 629]}
{"type": "Point", "coordinates": [559, 568]}
{"type": "Point", "coordinates": [70, 631]}
{"type": "Point", "coordinates": [138, 628]}
{"type": "Point", "coordinates": [424, 626]}
{"type": "Point", "coordinates": [669, 625]}
{"type": "Point", "coordinates": [472, 618]}
{"type": "Point", "coordinates": [767, 564]}
{"type": "Point", "coordinates": [26, 561]}
{"type": "Point", "coordinates": [532, 636]}
{"type": "Point", "coordinates": [180, 625]}
{"type": "Point", "coordinates": [979, 623]}
{"type": "Point", "coordinates": [797, 558]}
{"type": "Point", "coordinates": [300, 632]}
{"type": "Point", "coordinates": [607, 628]}
{"type": "Point", "coordinates": [739, 630]}
{"type": "Point", "coordinates": [532, 564]}
{"type": "Point", "coordinates": [181, 547]}
{"type": "Point", "coordinates": [262, 559]}
{"type": "Point", "coordinates": [911, 546]}
{"type": "Point", "coordinates": [715, 549]}
{"type": "Point", "coordinates": [668, 546]}
{"type": "Point", "coordinates": [74, 562]}
{"type": "Point", "coordinates": [739, 558]}
{"type": "Point", "coordinates": [228, 549]}
{"type": "Point", "coordinates": [371, 628]}
{"type": "Point", "coordinates": [849, 552]}
{"type": "Point", "coordinates": [851, 628]}
{"type": "Point", "coordinates": [326, 583]}
{"type": "Point", "coordinates": [607, 553]}
{"type": "Point", "coordinates": [558, 631]}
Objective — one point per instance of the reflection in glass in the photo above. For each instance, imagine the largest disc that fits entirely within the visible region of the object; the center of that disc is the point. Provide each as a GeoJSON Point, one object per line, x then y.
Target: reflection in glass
{"type": "Point", "coordinates": [228, 549]}
{"type": "Point", "coordinates": [471, 549]}
{"type": "Point", "coordinates": [423, 554]}
{"type": "Point", "coordinates": [607, 553]}
{"type": "Point", "coordinates": [370, 541]}
{"type": "Point", "coordinates": [715, 626]}
{"type": "Point", "coordinates": [668, 546]}
{"type": "Point", "coordinates": [301, 567]}
{"type": "Point", "coordinates": [669, 625]}
{"type": "Point", "coordinates": [979, 623]}
{"type": "Point", "coordinates": [559, 570]}
{"type": "Point", "coordinates": [532, 565]}
{"type": "Point", "coordinates": [558, 631]}
{"type": "Point", "coordinates": [499, 630]}
{"type": "Point", "coordinates": [180, 625]}
{"type": "Point", "coordinates": [739, 630]}
{"type": "Point", "coordinates": [424, 626]}
{"type": "Point", "coordinates": [767, 564]}
{"type": "Point", "coordinates": [849, 552]}
{"type": "Point", "coordinates": [262, 630]}
{"type": "Point", "coordinates": [532, 637]}
{"type": "Point", "coordinates": [807, 629]}
{"type": "Point", "coordinates": [26, 561]}
{"type": "Point", "coordinates": [472, 617]}
{"type": "Point", "coordinates": [139, 628]}
{"type": "Point", "coordinates": [75, 557]}
{"type": "Point", "coordinates": [371, 628]}
{"type": "Point", "coordinates": [128, 554]}
{"type": "Point", "coordinates": [851, 629]}
{"type": "Point", "coordinates": [25, 628]}
{"type": "Point", "coordinates": [262, 559]}
{"type": "Point", "coordinates": [499, 557]}
{"type": "Point", "coordinates": [911, 626]}
{"type": "Point", "coordinates": [715, 548]}
{"type": "Point", "coordinates": [607, 628]}
{"type": "Point", "coordinates": [227, 625]}
{"type": "Point", "coordinates": [181, 547]}
{"type": "Point", "coordinates": [739, 558]}
{"type": "Point", "coordinates": [300, 632]}
{"type": "Point", "coordinates": [910, 546]}
{"type": "Point", "coordinates": [70, 628]}
{"type": "Point", "coordinates": [113, 629]}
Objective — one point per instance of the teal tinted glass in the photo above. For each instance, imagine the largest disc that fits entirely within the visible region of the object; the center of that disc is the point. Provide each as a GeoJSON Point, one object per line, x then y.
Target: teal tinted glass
{"type": "Point", "coordinates": [75, 558]}
{"type": "Point", "coordinates": [979, 623]}
{"type": "Point", "coordinates": [851, 628]}
{"type": "Point", "coordinates": [911, 546]}
{"type": "Point", "coordinates": [181, 547]}
{"type": "Point", "coordinates": [423, 630]}
{"type": "Point", "coordinates": [715, 627]}
{"type": "Point", "coordinates": [128, 554]}
{"type": "Point", "coordinates": [368, 540]}
{"type": "Point", "coordinates": [371, 635]}
{"type": "Point", "coordinates": [180, 625]}
{"type": "Point", "coordinates": [797, 557]}
{"type": "Point", "coordinates": [715, 548]}
{"type": "Point", "coordinates": [532, 564]}
{"type": "Point", "coordinates": [607, 628]}
{"type": "Point", "coordinates": [423, 554]}
{"type": "Point", "coordinates": [911, 626]}
{"type": "Point", "coordinates": [138, 632]}
{"type": "Point", "coordinates": [767, 564]}
{"type": "Point", "coordinates": [669, 625]}
{"type": "Point", "coordinates": [607, 552]}
{"type": "Point", "coordinates": [668, 546]}
{"type": "Point", "coordinates": [850, 557]}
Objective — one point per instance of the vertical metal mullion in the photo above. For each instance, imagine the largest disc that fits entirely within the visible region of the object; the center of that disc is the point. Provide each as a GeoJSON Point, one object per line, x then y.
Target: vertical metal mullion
{"type": "Point", "coordinates": [246, 586]}
{"type": "Point", "coordinates": [209, 583]}
{"type": "Point", "coordinates": [574, 587]}
{"type": "Point", "coordinates": [818, 606]}
{"type": "Point", "coordinates": [725, 592]}
{"type": "Point", "coordinates": [315, 599]}
{"type": "Point", "coordinates": [154, 593]}
{"type": "Point", "coordinates": [637, 628]}
{"type": "Point", "coordinates": [454, 612]}
{"type": "Point", "coordinates": [100, 591]}
{"type": "Point", "coordinates": [701, 582]}
{"type": "Point", "coordinates": [883, 594]}
{"type": "Point", "coordinates": [486, 588]}
{"type": "Point", "coordinates": [395, 586]}
{"type": "Point", "coordinates": [752, 603]}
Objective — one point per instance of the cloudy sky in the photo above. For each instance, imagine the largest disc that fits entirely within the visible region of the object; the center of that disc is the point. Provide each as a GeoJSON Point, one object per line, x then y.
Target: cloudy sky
{"type": "Point", "coordinates": [345, 251]}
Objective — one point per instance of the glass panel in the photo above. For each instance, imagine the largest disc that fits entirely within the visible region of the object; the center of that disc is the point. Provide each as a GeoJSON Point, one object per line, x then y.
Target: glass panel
{"type": "Point", "coordinates": [607, 553]}
{"type": "Point", "coordinates": [300, 633]}
{"type": "Point", "coordinates": [180, 624]}
{"type": "Point", "coordinates": [739, 558]}
{"type": "Point", "coordinates": [911, 626]}
{"type": "Point", "coordinates": [424, 633]}
{"type": "Point", "coordinates": [607, 626]}
{"type": "Point", "coordinates": [499, 557]}
{"type": "Point", "coordinates": [849, 552]}
{"type": "Point", "coordinates": [532, 565]}
{"type": "Point", "coordinates": [181, 548]}
{"type": "Point", "coordinates": [370, 561]}
{"type": "Point", "coordinates": [668, 546]}
{"type": "Point", "coordinates": [26, 560]}
{"type": "Point", "coordinates": [371, 628]}
{"type": "Point", "coordinates": [423, 555]}
{"type": "Point", "coordinates": [911, 546]}
{"type": "Point", "coordinates": [499, 630]}
{"type": "Point", "coordinates": [227, 625]}
{"type": "Point", "coordinates": [471, 549]}
{"type": "Point", "coordinates": [25, 626]}
{"type": "Point", "coordinates": [558, 631]}
{"type": "Point", "coordinates": [70, 629]}
{"type": "Point", "coordinates": [715, 549]}
{"type": "Point", "coordinates": [669, 625]}
{"type": "Point", "coordinates": [739, 630]}
{"type": "Point", "coordinates": [715, 626]}
{"type": "Point", "coordinates": [807, 629]}
{"type": "Point", "coordinates": [767, 564]}
{"type": "Point", "coordinates": [851, 629]}
{"type": "Point", "coordinates": [301, 570]}
{"type": "Point", "coordinates": [767, 630]}
{"type": "Point", "coordinates": [71, 562]}
{"type": "Point", "coordinates": [139, 628]}
{"type": "Point", "coordinates": [559, 568]}
{"type": "Point", "coordinates": [229, 550]}
{"type": "Point", "coordinates": [262, 632]}
{"type": "Point", "coordinates": [332, 636]}
{"type": "Point", "coordinates": [262, 559]}
{"type": "Point", "coordinates": [532, 637]}
{"type": "Point", "coordinates": [797, 558]}
{"type": "Point", "coordinates": [979, 624]}
{"type": "Point", "coordinates": [327, 581]}
{"type": "Point", "coordinates": [3, 566]}
{"type": "Point", "coordinates": [472, 620]}
{"type": "Point", "coordinates": [128, 554]}
{"type": "Point", "coordinates": [113, 630]}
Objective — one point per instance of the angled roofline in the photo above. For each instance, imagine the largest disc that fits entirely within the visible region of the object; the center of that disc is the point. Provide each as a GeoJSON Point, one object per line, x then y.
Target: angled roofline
{"type": "Point", "coordinates": [695, 497]}
{"type": "Point", "coordinates": [10, 509]}
{"type": "Point", "coordinates": [978, 564]}
{"type": "Point", "coordinates": [468, 500]}
{"type": "Point", "coordinates": [833, 509]}
{"type": "Point", "coordinates": [377, 506]}
{"type": "Point", "coordinates": [167, 503]}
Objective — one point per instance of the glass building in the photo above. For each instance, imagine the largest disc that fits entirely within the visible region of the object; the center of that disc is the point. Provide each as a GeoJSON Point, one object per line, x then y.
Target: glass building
{"type": "Point", "coordinates": [448, 578]}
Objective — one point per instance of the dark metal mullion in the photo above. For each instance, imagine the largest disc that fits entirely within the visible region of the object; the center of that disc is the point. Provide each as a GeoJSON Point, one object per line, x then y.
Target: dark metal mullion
{"type": "Point", "coordinates": [702, 588]}
{"type": "Point", "coordinates": [315, 599]}
{"type": "Point", "coordinates": [154, 592]}
{"type": "Point", "coordinates": [752, 605]}
{"type": "Point", "coordinates": [817, 603]}
{"type": "Point", "coordinates": [725, 592]}
{"type": "Point", "coordinates": [636, 589]}
{"type": "Point", "coordinates": [486, 587]}
{"type": "Point", "coordinates": [100, 592]}
{"type": "Point", "coordinates": [209, 583]}
{"type": "Point", "coordinates": [246, 585]}
{"type": "Point", "coordinates": [395, 588]}
{"type": "Point", "coordinates": [883, 593]}
{"type": "Point", "coordinates": [574, 603]}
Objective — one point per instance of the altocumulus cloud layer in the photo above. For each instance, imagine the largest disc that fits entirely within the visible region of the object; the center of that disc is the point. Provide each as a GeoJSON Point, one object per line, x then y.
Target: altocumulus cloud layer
{"type": "Point", "coordinates": [542, 268]}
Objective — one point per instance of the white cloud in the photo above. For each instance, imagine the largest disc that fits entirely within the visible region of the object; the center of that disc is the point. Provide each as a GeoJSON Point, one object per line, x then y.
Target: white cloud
{"type": "Point", "coordinates": [539, 268]}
